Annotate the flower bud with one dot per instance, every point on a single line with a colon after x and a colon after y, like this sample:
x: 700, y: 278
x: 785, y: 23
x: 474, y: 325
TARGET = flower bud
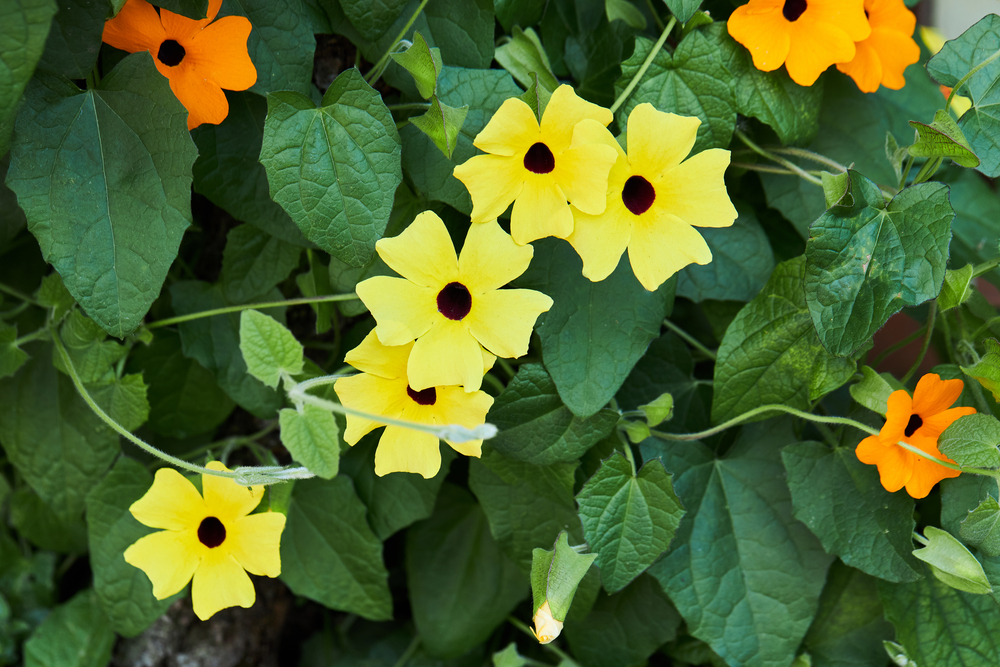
x: 546, y: 627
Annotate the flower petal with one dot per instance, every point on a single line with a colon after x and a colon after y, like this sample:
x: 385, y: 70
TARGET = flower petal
x: 136, y: 28
x: 662, y: 246
x: 255, y: 543
x: 540, y: 210
x: 455, y: 406
x: 658, y: 141
x: 865, y: 68
x: 220, y: 582
x: 896, y: 51
x: 447, y: 355
x: 898, y: 413
x: 423, y: 254
x: 493, y: 181
x: 564, y: 110
x: 814, y: 49
x: 405, y: 450
x: 490, y: 259
x: 695, y: 191
x: 385, y: 361
x: 371, y: 394
x: 927, y: 473
x: 601, y: 240
x: 169, y: 558
x: 204, y: 100
x: 934, y: 425
x: 171, y: 502
x: 582, y: 174
x: 934, y: 395
x: 180, y: 28
x: 764, y: 33
x: 894, y: 462
x: 512, y: 130
x: 404, y: 311
x: 219, y: 53
x: 502, y: 320
x: 225, y: 498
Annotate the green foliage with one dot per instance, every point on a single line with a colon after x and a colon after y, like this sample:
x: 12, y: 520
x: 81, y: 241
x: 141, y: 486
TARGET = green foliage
x: 269, y: 349
x: 556, y: 574
x: 74, y: 38
x: 981, y: 529
x: 254, y: 262
x: 952, y: 563
x: 972, y: 441
x: 311, y: 438
x: 25, y: 27
x: 956, y: 289
x: 76, y: 634
x: 942, y: 139
x: 12, y: 356
x: 683, y: 9
x: 873, y: 390
x: 523, y: 56
x: 372, y: 19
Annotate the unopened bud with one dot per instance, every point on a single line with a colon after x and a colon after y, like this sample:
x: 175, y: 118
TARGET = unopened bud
x: 546, y: 627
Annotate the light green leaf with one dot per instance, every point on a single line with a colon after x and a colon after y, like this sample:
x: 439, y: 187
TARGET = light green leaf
x: 75, y: 634
x: 625, y: 11
x: 269, y: 349
x: 75, y: 38
x: 771, y: 354
x: 12, y: 357
x: 442, y: 124
x: 987, y: 369
x: 104, y: 177
x: 461, y: 584
x: 636, y: 431
x: 866, y: 261
x: 524, y: 55
x: 957, y: 288
x: 372, y: 17
x: 628, y: 519
x: 334, y: 168
x: 942, y: 138
x: 981, y: 529
x: 36, y: 522
x: 423, y: 63
x: 254, y: 262
x: 740, y: 508
x: 661, y: 409
x: 328, y: 552
x: 972, y: 441
x: 536, y: 97
x: 895, y: 155
x: 952, y: 563
x: 311, y: 438
x: 843, y: 503
x: 509, y: 657
x: 874, y: 389
x: 836, y: 187
x: 556, y: 574
x: 24, y: 27
x: 124, y: 399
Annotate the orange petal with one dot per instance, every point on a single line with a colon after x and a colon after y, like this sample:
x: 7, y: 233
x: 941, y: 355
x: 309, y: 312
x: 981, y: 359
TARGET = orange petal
x: 815, y: 48
x: 764, y: 32
x: 927, y: 473
x: 204, y: 100
x: 897, y: 417
x: 934, y: 425
x: 897, y: 51
x: 934, y: 395
x: 219, y: 53
x: 136, y: 28
x: 865, y: 68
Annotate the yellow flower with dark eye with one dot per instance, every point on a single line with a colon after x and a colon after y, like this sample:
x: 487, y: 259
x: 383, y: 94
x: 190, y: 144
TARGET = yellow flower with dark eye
x: 452, y: 306
x: 888, y: 51
x: 655, y: 199
x: 213, y: 539
x: 382, y: 389
x: 538, y: 167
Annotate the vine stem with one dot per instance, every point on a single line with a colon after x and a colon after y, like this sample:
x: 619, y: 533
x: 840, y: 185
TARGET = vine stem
x: 965, y: 79
x: 6, y: 289
x: 250, y: 306
x: 799, y: 171
x: 931, y: 317
x: 691, y: 340
x: 378, y: 67
x: 645, y: 65
x: 552, y: 648
x: 810, y: 155
x: 408, y: 653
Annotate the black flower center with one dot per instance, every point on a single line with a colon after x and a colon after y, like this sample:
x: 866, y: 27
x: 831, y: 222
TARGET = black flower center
x: 454, y: 301
x: 638, y: 194
x: 211, y: 532
x: 423, y: 397
x: 912, y: 425
x: 793, y: 9
x: 539, y: 159
x: 171, y: 53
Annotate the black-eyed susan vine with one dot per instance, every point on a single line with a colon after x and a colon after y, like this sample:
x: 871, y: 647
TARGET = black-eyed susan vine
x: 572, y: 333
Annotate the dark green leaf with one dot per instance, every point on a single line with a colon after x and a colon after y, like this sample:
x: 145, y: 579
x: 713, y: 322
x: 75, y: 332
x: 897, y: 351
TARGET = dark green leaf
x: 75, y: 634
x: 461, y: 584
x: 193, y: 9
x: 335, y: 168
x: 981, y: 529
x: 254, y: 262
x: 110, y: 225
x: 328, y: 552
x: 623, y: 10
x: 518, y: 12
x: 24, y: 27
x: 739, y: 549
x: 594, y: 48
x: 372, y: 17
x: 93, y: 356
x: 942, y: 138
x: 311, y: 438
x: 683, y: 9
x: 536, y: 97
x: 316, y: 282
x: 75, y: 38
x: 12, y: 357
x: 52, y: 293
x: 974, y: 233
x: 972, y: 441
x: 36, y: 522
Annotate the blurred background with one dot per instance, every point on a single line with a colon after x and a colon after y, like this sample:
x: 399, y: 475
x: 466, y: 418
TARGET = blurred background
x: 953, y: 17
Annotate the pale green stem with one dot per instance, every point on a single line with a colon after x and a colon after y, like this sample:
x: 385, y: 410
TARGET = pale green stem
x: 964, y: 79
x: 250, y: 306
x: 645, y: 65
x: 920, y: 538
x: 694, y: 342
x: 799, y: 171
x: 376, y: 71
x: 629, y: 456
x: 906, y: 172
x: 983, y: 329
x: 765, y: 168
x: 17, y: 294
x: 809, y: 155
x: 34, y: 335
x: 985, y: 267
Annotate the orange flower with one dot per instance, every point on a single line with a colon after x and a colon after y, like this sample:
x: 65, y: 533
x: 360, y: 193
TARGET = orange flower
x: 919, y: 422
x: 806, y: 35
x: 882, y: 58
x: 200, y: 58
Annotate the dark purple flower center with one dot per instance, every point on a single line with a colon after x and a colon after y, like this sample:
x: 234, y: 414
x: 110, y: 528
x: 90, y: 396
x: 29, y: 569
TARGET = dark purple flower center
x: 211, y: 532
x: 424, y: 397
x: 539, y: 159
x: 171, y: 53
x: 454, y: 301
x: 638, y: 195
x: 912, y: 425
x: 793, y: 9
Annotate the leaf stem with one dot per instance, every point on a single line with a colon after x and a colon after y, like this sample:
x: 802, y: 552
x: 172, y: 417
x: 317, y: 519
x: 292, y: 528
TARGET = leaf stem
x: 810, y: 155
x: 415, y: 106
x: 906, y: 172
x: 964, y: 79
x: 983, y: 329
x: 799, y: 171
x: 6, y: 289
x: 691, y: 340
x: 917, y: 537
x: 377, y: 69
x: 645, y: 65
x: 248, y: 306
x: 408, y: 653
x: 34, y: 335
x: 985, y: 267
x: 931, y: 318
x: 656, y: 17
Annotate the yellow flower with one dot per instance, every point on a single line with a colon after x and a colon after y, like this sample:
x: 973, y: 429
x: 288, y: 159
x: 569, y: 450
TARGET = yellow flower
x: 537, y: 167
x: 546, y: 627
x: 452, y: 306
x: 806, y: 35
x: 382, y: 389
x: 653, y: 200
x: 214, y: 539
x: 882, y: 58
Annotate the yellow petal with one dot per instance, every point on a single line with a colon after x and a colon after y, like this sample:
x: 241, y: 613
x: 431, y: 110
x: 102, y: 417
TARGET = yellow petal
x: 403, y: 310
x: 225, y: 499
x: 405, y: 450
x: 447, y: 355
x: 172, y: 502
x: 664, y: 247
x: 220, y: 582
x: 373, y: 395
x: 547, y: 628
x: 512, y: 130
x: 696, y: 191
x: 455, y: 406
x: 658, y: 141
x: 540, y: 210
x: 564, y: 110
x: 600, y: 240
x: 169, y: 558
x: 582, y: 175
x: 423, y: 254
x: 255, y: 543
x: 502, y: 320
x: 490, y: 259
x: 385, y: 361
x: 493, y: 182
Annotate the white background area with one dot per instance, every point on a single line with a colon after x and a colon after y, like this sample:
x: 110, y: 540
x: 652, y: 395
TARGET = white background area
x: 953, y: 17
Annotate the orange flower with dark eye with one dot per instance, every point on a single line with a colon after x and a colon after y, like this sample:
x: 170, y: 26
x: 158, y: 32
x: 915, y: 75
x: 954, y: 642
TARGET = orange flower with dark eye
x: 882, y: 58
x: 917, y: 421
x: 199, y: 58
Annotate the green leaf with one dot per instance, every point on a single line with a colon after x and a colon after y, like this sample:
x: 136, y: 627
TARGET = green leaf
x: 12, y: 357
x: 36, y: 522
x: 626, y: 628
x: 987, y: 369
x: 442, y: 124
x: 587, y: 359
x: 526, y: 505
x: 75, y: 38
x: 523, y: 56
x: 372, y: 17
x: 311, y: 438
x: 981, y: 123
x: 942, y: 138
x: 972, y: 441
x: 941, y: 626
x: 536, y: 97
x: 981, y: 529
x: 124, y: 591
x: 334, y: 168
x: 316, y: 282
x: 269, y: 349
x: 254, y: 262
x: 739, y: 548
x: 509, y: 657
x: 843, y: 503
x: 110, y: 225
x: 52, y: 293
x: 518, y: 12
x: 895, y: 155
x: 461, y: 584
x: 661, y: 409
x: 75, y: 634
x: 594, y: 47
x: 771, y: 354
x: 636, y: 431
x: 193, y: 9
x: 865, y: 261
x: 124, y: 399
x: 536, y: 427
x: 423, y: 63
x: 625, y: 11
x: 628, y: 519
x: 741, y: 262
x: 874, y: 389
x: 23, y: 30
x: 184, y: 398
x: 952, y: 563
x: 52, y: 437
x: 836, y: 187
x: 957, y: 288
x: 693, y: 81
x: 683, y: 9
x: 328, y: 552
x: 92, y: 355
x: 556, y: 575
